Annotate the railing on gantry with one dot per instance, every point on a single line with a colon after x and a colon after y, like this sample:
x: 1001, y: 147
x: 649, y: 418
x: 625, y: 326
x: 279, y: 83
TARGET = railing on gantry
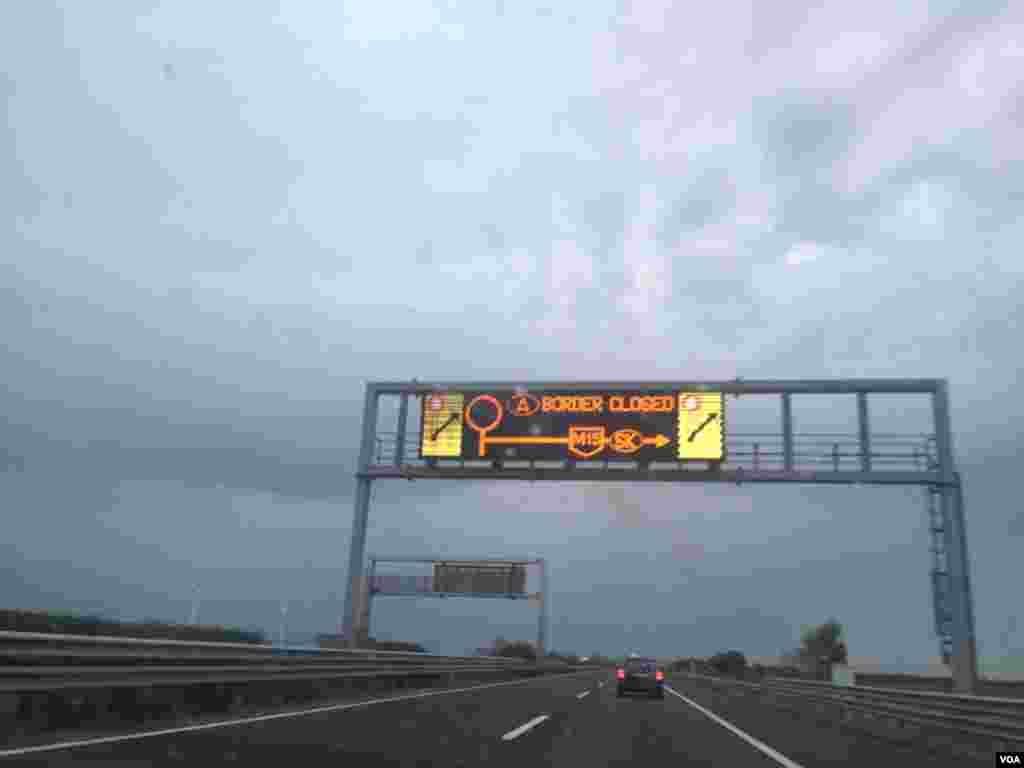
x: 754, y: 451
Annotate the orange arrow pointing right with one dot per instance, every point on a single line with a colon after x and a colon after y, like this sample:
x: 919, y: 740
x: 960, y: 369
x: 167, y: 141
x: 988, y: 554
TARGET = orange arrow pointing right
x: 529, y: 440
x: 658, y: 441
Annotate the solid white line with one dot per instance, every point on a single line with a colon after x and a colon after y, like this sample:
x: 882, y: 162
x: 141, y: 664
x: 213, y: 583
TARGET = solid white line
x: 582, y: 695
x: 524, y: 728
x: 780, y: 758
x: 250, y: 720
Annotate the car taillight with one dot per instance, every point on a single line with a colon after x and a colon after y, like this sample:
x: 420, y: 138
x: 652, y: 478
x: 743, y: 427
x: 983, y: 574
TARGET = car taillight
x: 659, y: 675
x: 621, y: 674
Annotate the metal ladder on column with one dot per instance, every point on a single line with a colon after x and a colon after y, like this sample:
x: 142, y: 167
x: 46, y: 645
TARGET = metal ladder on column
x: 940, y: 568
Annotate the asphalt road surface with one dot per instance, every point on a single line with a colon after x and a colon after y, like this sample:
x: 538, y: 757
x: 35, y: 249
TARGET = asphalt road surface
x: 567, y: 720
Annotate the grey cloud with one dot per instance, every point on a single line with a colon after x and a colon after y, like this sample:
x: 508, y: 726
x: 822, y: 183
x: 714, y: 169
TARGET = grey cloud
x: 694, y: 211
x: 138, y: 189
x: 801, y: 139
x: 204, y: 272
x: 425, y: 253
x: 495, y: 236
x: 114, y: 444
x: 800, y: 133
x: 603, y: 221
x: 710, y: 194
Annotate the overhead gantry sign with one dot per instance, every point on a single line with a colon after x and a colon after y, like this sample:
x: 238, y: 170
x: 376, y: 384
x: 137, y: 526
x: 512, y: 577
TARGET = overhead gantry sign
x: 669, y: 432
x: 551, y: 425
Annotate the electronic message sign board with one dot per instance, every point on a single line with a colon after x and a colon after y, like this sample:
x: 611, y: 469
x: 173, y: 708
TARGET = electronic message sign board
x: 553, y: 425
x: 479, y: 578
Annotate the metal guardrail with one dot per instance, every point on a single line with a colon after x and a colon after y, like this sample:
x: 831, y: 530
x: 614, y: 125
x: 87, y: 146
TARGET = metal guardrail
x: 985, y: 717
x: 37, y: 640
x: 54, y: 662
x: 987, y: 686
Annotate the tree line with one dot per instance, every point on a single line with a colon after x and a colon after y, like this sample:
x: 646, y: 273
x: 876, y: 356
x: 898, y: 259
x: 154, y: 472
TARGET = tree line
x: 820, y: 648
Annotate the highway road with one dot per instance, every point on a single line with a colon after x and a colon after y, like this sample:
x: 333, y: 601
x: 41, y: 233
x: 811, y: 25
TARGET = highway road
x: 566, y: 720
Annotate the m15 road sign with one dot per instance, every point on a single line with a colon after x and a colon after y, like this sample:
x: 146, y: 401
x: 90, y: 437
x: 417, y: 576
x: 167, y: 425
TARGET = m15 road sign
x: 554, y: 425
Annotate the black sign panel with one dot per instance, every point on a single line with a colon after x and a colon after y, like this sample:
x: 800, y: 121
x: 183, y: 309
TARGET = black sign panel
x: 482, y: 578
x: 556, y: 425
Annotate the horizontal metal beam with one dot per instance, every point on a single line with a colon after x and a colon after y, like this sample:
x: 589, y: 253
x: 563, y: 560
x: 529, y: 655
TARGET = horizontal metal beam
x: 735, y: 386
x: 737, y: 476
x: 453, y: 594
x: 456, y: 560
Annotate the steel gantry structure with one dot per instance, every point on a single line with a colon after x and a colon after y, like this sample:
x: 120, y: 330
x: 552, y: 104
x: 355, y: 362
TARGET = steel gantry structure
x: 369, y: 589
x: 867, y: 458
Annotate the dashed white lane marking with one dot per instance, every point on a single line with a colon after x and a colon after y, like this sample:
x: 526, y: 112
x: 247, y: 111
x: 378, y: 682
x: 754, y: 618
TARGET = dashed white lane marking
x: 517, y: 732
x: 778, y: 757
x: 582, y: 695
x: 253, y: 719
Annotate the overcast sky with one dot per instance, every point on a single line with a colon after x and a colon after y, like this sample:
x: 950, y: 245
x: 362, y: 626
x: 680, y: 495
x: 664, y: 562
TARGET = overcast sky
x: 218, y: 221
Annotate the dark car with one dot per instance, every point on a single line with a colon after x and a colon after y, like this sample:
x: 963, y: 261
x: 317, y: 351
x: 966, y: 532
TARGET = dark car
x: 640, y: 675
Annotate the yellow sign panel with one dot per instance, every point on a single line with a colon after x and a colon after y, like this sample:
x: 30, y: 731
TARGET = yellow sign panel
x: 442, y: 425
x: 701, y: 432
